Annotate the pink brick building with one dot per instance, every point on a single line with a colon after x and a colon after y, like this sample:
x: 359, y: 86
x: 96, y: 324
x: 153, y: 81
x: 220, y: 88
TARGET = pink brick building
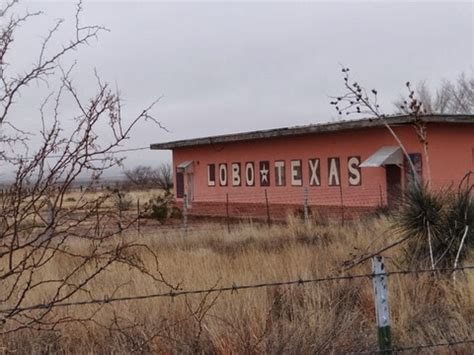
x: 356, y: 165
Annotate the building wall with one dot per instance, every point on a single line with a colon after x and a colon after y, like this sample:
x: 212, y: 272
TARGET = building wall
x: 450, y: 153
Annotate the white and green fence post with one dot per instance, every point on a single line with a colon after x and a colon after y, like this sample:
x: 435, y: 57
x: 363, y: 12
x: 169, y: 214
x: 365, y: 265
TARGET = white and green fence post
x: 382, y: 311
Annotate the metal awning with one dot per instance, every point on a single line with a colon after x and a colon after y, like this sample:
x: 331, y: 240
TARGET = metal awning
x: 384, y: 156
x: 185, y: 166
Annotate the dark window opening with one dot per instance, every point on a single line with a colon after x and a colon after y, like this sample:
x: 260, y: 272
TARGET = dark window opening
x: 417, y: 161
x: 179, y: 184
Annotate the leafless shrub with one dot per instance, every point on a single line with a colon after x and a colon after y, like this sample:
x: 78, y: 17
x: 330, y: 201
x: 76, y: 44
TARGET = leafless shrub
x: 149, y: 177
x: 452, y: 97
x: 358, y: 100
x: 36, y: 228
x: 164, y: 177
x: 140, y: 176
x: 122, y: 200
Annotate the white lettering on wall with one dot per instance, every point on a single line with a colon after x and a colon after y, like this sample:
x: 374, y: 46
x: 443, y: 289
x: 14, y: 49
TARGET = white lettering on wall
x: 354, y: 171
x: 253, y: 173
x: 249, y: 174
x: 235, y: 174
x: 280, y: 173
x: 264, y: 173
x: 296, y: 173
x: 314, y: 172
x: 223, y: 174
x: 211, y: 175
x: 334, y: 178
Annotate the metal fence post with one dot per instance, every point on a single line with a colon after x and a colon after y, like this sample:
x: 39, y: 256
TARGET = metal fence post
x: 268, y: 209
x: 305, y: 205
x: 342, y: 205
x: 382, y: 311
x: 185, y: 213
x: 227, y: 212
x: 381, y: 196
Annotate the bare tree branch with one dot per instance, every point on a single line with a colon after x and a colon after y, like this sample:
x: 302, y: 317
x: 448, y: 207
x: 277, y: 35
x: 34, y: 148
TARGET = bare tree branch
x: 37, y: 226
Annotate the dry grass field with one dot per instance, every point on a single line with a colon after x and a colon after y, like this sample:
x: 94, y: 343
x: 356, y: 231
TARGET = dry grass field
x: 75, y: 196
x: 331, y: 317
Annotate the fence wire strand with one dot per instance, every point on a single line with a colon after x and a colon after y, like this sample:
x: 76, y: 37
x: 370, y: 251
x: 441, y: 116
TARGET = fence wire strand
x: 433, y: 345
x: 233, y: 289
x: 400, y: 349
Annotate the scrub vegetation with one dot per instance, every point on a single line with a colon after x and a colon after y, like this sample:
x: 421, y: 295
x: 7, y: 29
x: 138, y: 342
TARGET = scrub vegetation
x: 326, y: 317
x: 438, y: 225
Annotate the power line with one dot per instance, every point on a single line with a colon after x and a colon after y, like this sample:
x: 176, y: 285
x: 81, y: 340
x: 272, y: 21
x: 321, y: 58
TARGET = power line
x: 130, y: 150
x: 111, y: 152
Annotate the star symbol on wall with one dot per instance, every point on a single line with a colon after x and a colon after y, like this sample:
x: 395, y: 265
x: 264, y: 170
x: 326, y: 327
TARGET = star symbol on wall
x: 264, y: 173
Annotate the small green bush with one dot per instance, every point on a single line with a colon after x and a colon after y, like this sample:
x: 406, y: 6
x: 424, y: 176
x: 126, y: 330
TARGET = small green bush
x: 176, y: 213
x: 160, y: 208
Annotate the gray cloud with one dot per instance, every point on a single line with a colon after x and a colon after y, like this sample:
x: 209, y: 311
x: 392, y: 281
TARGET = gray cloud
x: 227, y: 67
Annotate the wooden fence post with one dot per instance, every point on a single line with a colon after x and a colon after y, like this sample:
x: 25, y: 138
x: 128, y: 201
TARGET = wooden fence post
x: 97, y: 221
x: 382, y: 311
x: 120, y: 207
x: 138, y: 216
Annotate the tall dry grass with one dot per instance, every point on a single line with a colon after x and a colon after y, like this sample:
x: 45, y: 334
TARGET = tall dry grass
x: 333, y: 317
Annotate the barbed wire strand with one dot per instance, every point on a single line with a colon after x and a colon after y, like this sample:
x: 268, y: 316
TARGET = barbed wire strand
x: 397, y: 349
x: 434, y: 345
x: 233, y: 288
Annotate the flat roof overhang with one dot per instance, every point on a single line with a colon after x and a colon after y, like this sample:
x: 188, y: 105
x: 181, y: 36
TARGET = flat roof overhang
x: 311, y: 129
x: 384, y: 156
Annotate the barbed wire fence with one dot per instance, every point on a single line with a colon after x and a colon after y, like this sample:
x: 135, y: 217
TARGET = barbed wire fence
x: 274, y: 206
x: 318, y: 204
x: 379, y: 276
x: 264, y: 206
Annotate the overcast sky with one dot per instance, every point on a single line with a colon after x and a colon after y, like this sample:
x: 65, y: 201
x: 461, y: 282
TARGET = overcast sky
x: 230, y: 67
